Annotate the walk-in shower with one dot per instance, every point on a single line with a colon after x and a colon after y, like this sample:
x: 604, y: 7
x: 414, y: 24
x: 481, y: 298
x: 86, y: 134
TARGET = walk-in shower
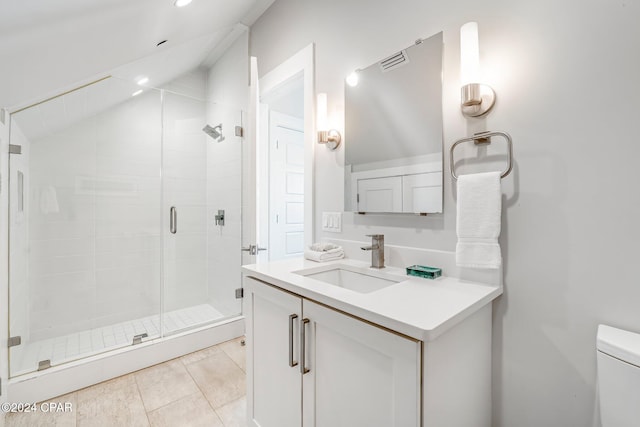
x: 94, y: 264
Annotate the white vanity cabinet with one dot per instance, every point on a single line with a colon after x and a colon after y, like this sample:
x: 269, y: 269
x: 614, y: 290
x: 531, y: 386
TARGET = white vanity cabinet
x: 274, y: 395
x: 310, y: 365
x: 415, y: 353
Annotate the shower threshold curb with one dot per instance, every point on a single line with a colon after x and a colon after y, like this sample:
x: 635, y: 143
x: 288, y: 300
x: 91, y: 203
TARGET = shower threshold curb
x: 63, y: 379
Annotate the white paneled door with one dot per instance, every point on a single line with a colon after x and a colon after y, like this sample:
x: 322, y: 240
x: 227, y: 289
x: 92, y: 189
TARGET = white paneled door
x: 286, y: 186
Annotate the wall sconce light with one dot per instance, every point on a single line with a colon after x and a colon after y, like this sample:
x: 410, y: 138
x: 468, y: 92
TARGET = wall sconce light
x: 330, y: 137
x: 476, y: 98
x: 353, y: 78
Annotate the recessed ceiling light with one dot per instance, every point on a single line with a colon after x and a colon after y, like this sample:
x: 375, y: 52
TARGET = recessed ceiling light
x: 181, y: 3
x: 143, y: 80
x: 136, y: 93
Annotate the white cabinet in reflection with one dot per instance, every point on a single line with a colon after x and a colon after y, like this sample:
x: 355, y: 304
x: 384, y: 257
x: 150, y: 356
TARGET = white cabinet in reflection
x: 408, y: 189
x: 380, y: 194
x: 422, y: 193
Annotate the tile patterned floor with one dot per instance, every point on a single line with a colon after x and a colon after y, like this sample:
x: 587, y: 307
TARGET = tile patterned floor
x: 88, y: 343
x: 205, y: 388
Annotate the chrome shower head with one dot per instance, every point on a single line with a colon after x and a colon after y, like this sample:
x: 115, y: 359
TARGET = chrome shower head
x: 214, y: 132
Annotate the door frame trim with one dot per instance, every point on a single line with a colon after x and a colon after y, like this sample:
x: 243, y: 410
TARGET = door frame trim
x: 303, y: 61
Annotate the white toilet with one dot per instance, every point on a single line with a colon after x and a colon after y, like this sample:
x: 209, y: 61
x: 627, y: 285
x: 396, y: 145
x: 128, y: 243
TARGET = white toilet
x: 618, y: 377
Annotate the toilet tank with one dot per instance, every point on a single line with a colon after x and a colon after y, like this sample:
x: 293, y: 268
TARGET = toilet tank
x: 618, y: 358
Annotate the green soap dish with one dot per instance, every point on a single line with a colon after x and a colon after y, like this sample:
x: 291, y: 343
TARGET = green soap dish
x: 424, y: 271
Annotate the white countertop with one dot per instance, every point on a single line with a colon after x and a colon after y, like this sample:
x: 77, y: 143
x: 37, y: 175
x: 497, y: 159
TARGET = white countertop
x: 419, y: 308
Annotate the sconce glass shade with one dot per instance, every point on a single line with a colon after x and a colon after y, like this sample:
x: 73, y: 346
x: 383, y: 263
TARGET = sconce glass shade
x: 469, y: 54
x: 352, y: 79
x: 321, y: 111
x: 330, y: 137
x: 476, y: 99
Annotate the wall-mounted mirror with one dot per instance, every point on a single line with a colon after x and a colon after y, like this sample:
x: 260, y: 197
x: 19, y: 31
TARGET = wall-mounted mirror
x: 393, y: 133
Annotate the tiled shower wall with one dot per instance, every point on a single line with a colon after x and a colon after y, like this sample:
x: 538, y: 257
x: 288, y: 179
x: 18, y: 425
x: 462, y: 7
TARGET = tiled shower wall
x: 224, y: 193
x: 95, y: 224
x: 226, y: 100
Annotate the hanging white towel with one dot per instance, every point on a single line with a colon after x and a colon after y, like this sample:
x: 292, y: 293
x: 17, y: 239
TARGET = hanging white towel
x: 478, y: 220
x: 49, y: 200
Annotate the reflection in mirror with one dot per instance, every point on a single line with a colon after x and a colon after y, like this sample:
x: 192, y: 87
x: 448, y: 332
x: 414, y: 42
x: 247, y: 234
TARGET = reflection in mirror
x: 393, y: 137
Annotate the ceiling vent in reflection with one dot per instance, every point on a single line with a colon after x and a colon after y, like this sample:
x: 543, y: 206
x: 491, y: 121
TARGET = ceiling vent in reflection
x: 394, y: 61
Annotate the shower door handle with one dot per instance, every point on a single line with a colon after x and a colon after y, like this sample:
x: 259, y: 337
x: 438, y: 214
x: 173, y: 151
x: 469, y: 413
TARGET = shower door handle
x: 173, y: 220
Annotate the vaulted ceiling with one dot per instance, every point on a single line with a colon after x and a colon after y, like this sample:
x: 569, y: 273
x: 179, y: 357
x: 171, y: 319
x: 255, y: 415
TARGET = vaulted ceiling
x: 48, y: 46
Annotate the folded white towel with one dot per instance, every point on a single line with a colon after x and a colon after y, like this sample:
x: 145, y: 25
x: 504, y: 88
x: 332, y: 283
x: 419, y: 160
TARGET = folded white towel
x: 478, y: 220
x: 324, y: 247
x: 328, y: 255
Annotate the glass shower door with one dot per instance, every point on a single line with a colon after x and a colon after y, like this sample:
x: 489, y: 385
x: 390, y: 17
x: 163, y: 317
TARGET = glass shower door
x: 125, y: 221
x: 202, y: 212
x: 85, y: 233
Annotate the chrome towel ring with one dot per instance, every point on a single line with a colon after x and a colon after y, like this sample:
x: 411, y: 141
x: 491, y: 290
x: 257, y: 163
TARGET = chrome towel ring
x: 480, y: 139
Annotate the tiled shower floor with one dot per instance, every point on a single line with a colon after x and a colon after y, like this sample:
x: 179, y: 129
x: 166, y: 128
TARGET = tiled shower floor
x: 87, y: 343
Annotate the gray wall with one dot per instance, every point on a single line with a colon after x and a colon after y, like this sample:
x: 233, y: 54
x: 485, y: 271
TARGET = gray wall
x: 565, y: 74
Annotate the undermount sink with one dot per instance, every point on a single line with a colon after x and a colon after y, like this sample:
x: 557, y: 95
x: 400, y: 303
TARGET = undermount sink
x: 358, y: 279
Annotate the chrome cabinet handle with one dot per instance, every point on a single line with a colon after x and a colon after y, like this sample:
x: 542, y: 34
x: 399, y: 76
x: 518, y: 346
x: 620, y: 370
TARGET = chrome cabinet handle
x: 173, y: 220
x: 303, y: 349
x: 292, y: 317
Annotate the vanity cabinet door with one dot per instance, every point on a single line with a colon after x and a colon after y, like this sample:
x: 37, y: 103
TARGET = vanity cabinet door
x: 359, y: 375
x: 274, y: 388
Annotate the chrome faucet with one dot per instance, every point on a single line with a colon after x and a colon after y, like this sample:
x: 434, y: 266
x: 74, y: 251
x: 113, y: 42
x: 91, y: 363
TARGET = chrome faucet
x: 377, y: 250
